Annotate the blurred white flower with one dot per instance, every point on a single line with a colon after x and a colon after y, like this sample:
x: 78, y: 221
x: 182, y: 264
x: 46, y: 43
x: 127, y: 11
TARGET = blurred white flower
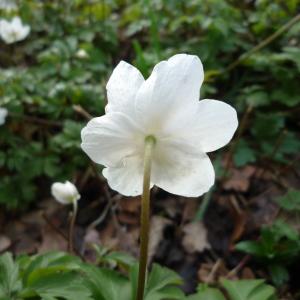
x: 166, y: 106
x: 65, y: 193
x: 3, y: 114
x: 13, y: 31
x: 8, y: 5
x: 81, y: 53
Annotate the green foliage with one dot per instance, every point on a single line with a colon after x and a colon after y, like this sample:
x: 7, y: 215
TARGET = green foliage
x: 278, y: 246
x: 236, y: 290
x: 290, y: 201
x: 45, y: 76
x: 56, y: 275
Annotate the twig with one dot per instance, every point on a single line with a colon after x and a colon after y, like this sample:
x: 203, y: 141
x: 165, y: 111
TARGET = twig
x: 101, y: 218
x: 79, y: 109
x: 263, y: 43
x: 213, y: 271
x: 37, y: 120
x: 241, y: 264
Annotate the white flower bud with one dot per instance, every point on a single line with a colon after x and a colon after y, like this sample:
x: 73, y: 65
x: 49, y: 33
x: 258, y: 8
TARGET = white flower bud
x: 81, y: 53
x: 65, y: 193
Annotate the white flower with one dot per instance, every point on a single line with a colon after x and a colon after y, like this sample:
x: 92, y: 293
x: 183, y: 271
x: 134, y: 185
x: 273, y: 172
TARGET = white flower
x: 13, y: 31
x: 165, y: 106
x: 8, y: 5
x: 65, y: 193
x: 81, y: 53
x: 3, y: 115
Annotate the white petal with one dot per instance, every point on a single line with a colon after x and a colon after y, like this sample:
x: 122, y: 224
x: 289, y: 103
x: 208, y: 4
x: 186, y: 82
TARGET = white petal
x: 172, y: 85
x: 110, y: 138
x: 128, y: 178
x: 3, y: 115
x: 213, y: 125
x: 181, y: 170
x: 122, y: 87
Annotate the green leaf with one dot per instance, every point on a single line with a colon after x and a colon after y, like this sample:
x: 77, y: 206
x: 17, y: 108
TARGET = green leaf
x: 279, y: 274
x: 248, y: 290
x: 207, y: 293
x: 250, y: 247
x: 170, y: 292
x: 10, y: 283
x: 120, y: 258
x: 290, y: 201
x: 68, y: 286
x: 243, y: 154
x: 267, y: 126
x: 160, y: 278
x: 106, y: 284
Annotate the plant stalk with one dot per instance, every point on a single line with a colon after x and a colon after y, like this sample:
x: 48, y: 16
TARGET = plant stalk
x: 72, y: 225
x: 145, y: 216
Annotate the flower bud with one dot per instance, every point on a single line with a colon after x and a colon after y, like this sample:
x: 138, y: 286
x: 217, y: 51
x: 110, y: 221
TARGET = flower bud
x: 65, y: 193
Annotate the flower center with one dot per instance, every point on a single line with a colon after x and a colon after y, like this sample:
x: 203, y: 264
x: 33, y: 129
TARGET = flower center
x: 150, y: 139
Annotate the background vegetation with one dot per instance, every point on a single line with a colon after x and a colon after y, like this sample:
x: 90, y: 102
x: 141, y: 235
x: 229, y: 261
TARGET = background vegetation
x: 54, y: 80
x: 44, y: 77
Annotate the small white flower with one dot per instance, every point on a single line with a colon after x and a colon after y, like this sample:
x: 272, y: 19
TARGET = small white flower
x: 3, y: 115
x: 8, y: 5
x: 13, y: 31
x: 167, y: 107
x: 65, y: 193
x: 81, y: 53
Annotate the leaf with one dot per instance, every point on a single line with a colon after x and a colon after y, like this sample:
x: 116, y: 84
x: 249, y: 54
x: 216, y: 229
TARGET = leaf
x: 207, y: 293
x: 49, y: 263
x: 170, y: 292
x: 160, y: 281
x: 248, y: 290
x: 290, y: 201
x: 106, y: 284
x: 250, y: 247
x: 267, y: 126
x: 279, y: 274
x: 243, y: 154
x: 10, y: 283
x: 68, y: 286
x: 120, y: 258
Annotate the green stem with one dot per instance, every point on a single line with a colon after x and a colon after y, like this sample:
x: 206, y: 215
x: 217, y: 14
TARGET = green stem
x: 145, y: 216
x: 71, y: 229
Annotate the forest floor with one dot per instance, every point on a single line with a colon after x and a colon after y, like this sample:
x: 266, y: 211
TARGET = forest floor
x: 199, y: 245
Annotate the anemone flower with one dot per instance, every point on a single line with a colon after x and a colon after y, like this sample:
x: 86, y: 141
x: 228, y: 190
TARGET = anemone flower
x: 14, y: 30
x: 165, y: 107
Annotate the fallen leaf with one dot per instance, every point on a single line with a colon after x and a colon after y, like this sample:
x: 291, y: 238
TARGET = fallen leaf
x: 195, y: 237
x: 157, y: 227
x: 5, y: 243
x: 240, y: 179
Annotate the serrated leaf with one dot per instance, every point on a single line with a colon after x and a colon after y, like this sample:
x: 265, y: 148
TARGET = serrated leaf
x: 207, y: 293
x: 248, y: 290
x: 159, y: 279
x: 68, y: 286
x: 10, y: 283
x: 106, y: 284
